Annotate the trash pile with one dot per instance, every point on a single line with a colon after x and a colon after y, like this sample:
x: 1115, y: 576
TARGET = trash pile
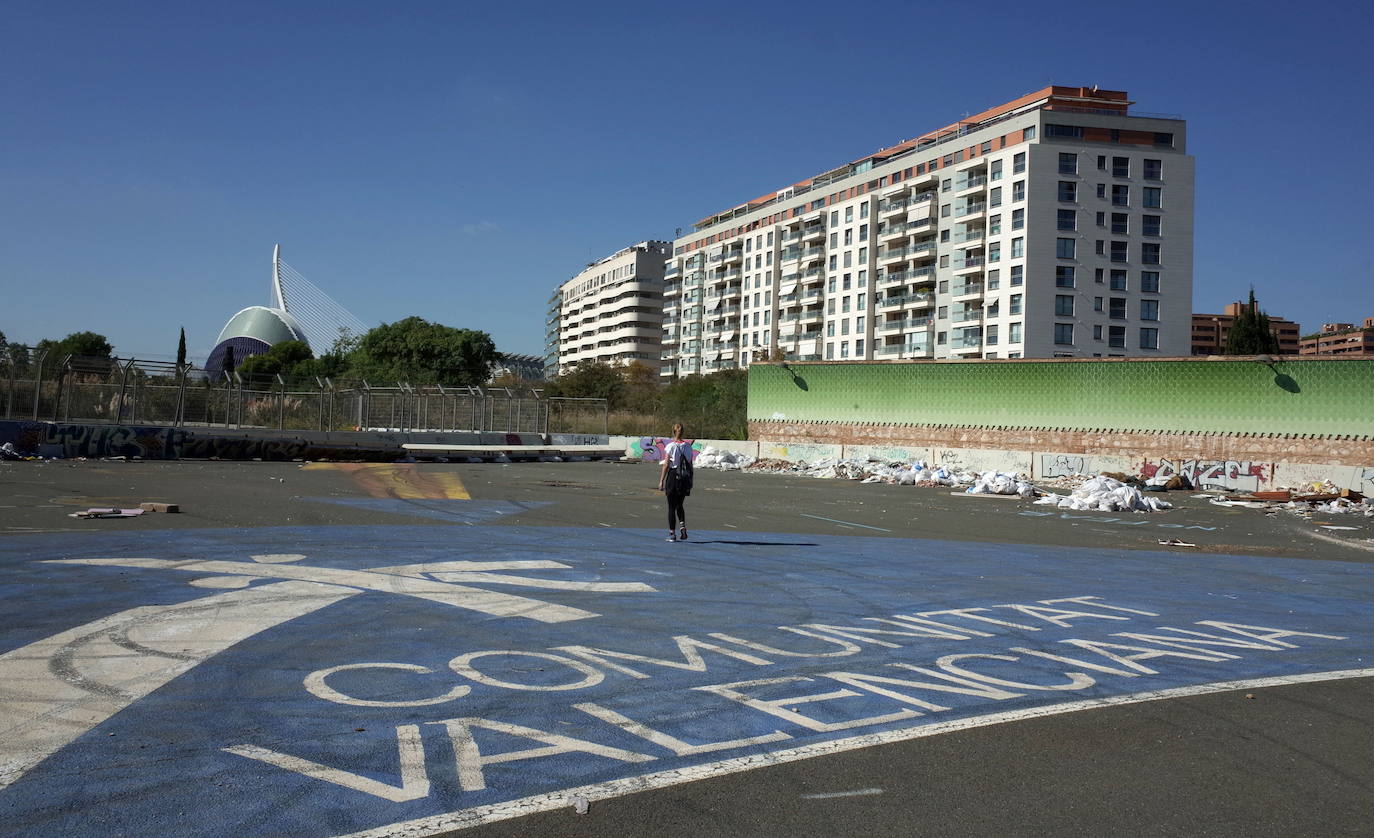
x: 715, y: 458
x: 997, y: 483
x: 1310, y: 499
x: 1106, y: 494
x: 9, y: 452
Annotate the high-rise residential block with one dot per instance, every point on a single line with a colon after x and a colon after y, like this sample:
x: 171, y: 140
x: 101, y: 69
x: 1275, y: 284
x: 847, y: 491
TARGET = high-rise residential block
x: 1056, y: 225
x: 612, y: 311
x: 1345, y: 339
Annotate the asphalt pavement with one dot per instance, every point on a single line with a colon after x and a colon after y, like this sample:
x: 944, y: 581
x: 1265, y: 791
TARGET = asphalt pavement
x: 486, y: 649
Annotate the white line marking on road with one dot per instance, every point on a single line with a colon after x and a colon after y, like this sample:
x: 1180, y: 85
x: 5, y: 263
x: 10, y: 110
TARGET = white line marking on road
x: 844, y: 523
x: 463, y: 818
x: 828, y: 795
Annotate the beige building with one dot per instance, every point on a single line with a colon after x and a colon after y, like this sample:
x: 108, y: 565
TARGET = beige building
x: 611, y: 312
x: 1056, y: 225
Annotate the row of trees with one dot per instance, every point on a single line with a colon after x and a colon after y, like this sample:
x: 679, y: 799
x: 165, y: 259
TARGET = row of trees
x: 710, y: 406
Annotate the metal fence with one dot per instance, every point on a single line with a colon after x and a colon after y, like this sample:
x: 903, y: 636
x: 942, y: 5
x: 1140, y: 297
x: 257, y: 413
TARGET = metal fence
x: 132, y: 391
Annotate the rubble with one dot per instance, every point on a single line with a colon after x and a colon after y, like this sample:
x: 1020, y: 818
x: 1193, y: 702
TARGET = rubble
x: 1106, y: 494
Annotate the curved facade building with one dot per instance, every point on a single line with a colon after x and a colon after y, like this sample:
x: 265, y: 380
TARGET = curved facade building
x: 252, y: 332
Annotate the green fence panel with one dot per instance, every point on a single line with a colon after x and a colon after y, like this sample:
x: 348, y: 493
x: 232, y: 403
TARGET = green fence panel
x: 1235, y: 396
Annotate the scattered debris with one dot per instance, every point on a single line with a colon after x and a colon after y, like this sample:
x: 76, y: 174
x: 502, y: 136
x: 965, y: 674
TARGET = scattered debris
x: 1106, y: 494
x: 1175, y: 542
x: 154, y: 506
x: 107, y: 512
x: 579, y: 804
x: 9, y: 452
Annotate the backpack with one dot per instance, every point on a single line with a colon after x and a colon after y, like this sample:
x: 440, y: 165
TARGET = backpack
x: 682, y: 472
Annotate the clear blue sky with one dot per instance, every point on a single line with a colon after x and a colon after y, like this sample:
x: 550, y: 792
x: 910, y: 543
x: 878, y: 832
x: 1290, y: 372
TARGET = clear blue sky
x: 459, y: 160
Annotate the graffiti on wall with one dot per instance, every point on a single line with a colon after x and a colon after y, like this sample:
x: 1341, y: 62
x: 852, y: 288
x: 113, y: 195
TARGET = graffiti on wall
x: 1224, y: 475
x: 1063, y: 465
x: 650, y: 448
x: 157, y: 443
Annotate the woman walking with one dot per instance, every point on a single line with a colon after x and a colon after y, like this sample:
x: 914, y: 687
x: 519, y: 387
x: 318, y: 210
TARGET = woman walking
x: 675, y: 480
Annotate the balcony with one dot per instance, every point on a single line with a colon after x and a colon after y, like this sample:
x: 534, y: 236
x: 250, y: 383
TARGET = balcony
x: 968, y: 263
x: 969, y: 316
x: 967, y: 289
x: 812, y: 314
x: 812, y: 334
x: 903, y: 324
x: 672, y: 270
x: 814, y: 231
x: 972, y: 235
x: 811, y: 294
x: 905, y: 350
x: 970, y: 208
x: 811, y: 254
x: 672, y: 289
x: 734, y: 255
x: 790, y: 253
x: 975, y: 182
x: 902, y: 300
x: 887, y: 208
x: 791, y: 236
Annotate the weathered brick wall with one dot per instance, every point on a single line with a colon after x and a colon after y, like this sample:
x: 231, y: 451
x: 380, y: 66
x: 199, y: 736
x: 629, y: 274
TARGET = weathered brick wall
x: 1332, y: 450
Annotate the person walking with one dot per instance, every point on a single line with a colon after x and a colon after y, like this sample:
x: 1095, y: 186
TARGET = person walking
x: 675, y: 481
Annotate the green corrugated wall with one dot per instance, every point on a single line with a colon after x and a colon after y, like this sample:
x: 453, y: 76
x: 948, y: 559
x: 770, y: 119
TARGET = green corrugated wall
x: 1333, y: 397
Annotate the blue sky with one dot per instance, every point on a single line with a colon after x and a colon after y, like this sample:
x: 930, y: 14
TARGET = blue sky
x: 460, y: 160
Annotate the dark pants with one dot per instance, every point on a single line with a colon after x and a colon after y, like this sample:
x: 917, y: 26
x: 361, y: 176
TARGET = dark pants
x: 675, y: 511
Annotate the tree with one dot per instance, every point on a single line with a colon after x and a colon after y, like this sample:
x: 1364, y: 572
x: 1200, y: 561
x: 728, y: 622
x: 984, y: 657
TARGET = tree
x: 290, y: 358
x: 417, y: 351
x: 1250, y: 333
x: 589, y: 380
x: 80, y: 344
x: 181, y: 348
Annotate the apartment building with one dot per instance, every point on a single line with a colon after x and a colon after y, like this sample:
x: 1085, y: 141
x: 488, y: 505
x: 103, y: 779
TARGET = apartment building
x: 1345, y: 339
x: 1210, y: 331
x: 612, y: 311
x: 1056, y: 225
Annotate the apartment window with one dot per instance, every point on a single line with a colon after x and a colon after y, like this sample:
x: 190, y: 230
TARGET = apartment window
x: 994, y: 224
x: 944, y: 235
x: 995, y: 170
x: 942, y: 313
x: 1102, y: 219
x: 1063, y: 334
x: 844, y: 308
x: 1018, y: 219
x: 995, y: 197
x: 1149, y: 225
x: 770, y: 238
x: 1153, y: 170
x: 1068, y: 163
x: 1097, y: 275
x: 1121, y: 195
x: 1097, y: 303
x: 859, y: 303
x: 834, y: 218
x: 1152, y: 197
x: 1116, y: 308
x: 1018, y: 247
x: 1097, y: 335
x: 863, y: 254
x: 1149, y: 282
x: 863, y: 232
x: 946, y: 185
x: 1149, y: 309
x: 944, y: 260
x: 994, y: 279
x: 940, y: 338
x: 844, y: 349
x: 830, y: 306
x: 1014, y: 334
x: 830, y: 352
x: 1017, y: 276
x: 830, y: 286
x: 1064, y: 276
x: 849, y: 258
x: 1102, y: 191
x: 944, y: 210
x: 1028, y: 133
x: 834, y: 239
x: 1121, y: 167
x: 1149, y: 338
x: 1102, y: 162
x: 830, y: 329
x: 858, y: 348
x: 995, y: 252
x: 1018, y: 190
x: 848, y: 236
x: 863, y: 275
x: 1121, y: 223
x: 1065, y: 248
x: 990, y: 335
x: 767, y: 316
x: 1116, y: 336
x: 848, y: 214
x: 1118, y: 280
x: 845, y: 286
x: 844, y: 327
x: 1100, y: 247
x: 1063, y: 305
x: 1118, y: 251
x: 1014, y: 304
x: 1018, y: 163
x: 1149, y: 253
x: 1068, y: 190
x: 1067, y: 219
x: 985, y: 148
x: 748, y: 245
x: 834, y: 262
x: 944, y: 286
x: 1164, y: 138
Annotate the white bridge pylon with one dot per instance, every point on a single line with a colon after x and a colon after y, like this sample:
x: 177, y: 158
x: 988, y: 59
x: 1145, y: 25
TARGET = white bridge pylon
x: 321, y: 318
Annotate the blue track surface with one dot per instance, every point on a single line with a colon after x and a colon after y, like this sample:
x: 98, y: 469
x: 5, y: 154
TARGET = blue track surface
x: 160, y: 765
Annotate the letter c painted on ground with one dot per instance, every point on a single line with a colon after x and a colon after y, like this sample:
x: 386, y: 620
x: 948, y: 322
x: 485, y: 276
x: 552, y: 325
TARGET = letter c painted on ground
x: 1077, y: 680
x: 315, y: 684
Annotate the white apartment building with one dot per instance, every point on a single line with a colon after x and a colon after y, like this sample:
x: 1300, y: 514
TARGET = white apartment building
x: 612, y: 311
x: 1056, y: 225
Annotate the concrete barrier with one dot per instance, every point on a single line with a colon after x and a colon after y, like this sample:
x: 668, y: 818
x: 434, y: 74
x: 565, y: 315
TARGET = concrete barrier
x: 887, y: 453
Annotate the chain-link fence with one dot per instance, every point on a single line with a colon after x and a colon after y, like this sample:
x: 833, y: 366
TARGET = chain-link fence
x: 132, y: 391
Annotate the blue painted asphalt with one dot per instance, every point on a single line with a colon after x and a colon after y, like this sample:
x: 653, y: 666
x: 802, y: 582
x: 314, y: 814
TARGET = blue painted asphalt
x: 160, y: 765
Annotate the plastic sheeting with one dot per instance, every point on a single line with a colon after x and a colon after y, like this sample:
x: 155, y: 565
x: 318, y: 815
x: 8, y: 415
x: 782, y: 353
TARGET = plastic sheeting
x: 1104, y: 494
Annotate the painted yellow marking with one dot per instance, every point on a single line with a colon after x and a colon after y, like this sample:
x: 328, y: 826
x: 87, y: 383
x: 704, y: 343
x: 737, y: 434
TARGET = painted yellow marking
x: 399, y: 480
